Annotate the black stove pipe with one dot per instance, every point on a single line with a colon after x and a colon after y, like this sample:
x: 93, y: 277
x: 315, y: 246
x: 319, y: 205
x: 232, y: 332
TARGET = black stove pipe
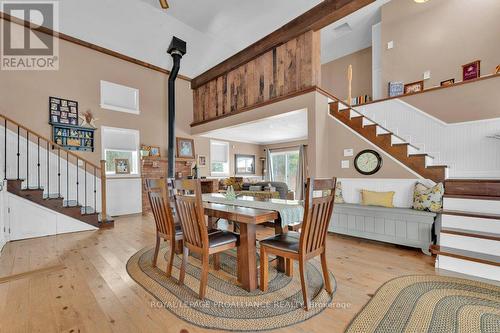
x: 176, y: 49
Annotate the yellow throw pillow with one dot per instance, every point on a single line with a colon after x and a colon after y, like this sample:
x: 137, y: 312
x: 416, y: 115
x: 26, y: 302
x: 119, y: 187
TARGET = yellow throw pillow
x: 383, y: 199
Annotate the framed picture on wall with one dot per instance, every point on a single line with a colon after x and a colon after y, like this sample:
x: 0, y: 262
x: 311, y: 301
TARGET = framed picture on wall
x: 122, y: 166
x: 471, y: 70
x: 448, y: 82
x: 154, y: 151
x: 202, y: 161
x: 185, y: 148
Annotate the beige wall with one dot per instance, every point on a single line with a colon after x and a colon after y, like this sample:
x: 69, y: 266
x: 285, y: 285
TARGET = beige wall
x: 440, y: 36
x: 331, y: 138
x: 334, y: 74
x: 24, y: 98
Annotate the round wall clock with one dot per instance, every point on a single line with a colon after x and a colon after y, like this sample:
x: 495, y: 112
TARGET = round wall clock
x: 368, y: 162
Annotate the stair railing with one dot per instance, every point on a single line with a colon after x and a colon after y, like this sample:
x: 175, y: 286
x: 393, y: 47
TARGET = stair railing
x: 58, y: 163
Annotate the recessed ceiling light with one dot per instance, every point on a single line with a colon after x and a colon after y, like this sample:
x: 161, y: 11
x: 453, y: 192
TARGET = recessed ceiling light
x: 420, y: 1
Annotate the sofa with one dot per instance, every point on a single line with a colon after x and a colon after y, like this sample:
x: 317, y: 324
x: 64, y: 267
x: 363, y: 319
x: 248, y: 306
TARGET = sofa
x: 249, y: 188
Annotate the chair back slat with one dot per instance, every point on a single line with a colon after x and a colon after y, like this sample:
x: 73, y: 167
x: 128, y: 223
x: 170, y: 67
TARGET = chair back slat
x: 319, y: 201
x: 160, y: 205
x: 191, y: 213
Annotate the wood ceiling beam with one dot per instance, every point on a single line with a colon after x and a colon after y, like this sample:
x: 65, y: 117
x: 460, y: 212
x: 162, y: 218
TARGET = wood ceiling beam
x: 315, y: 19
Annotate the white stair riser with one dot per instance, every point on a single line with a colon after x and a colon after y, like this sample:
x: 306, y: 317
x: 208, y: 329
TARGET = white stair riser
x: 472, y: 205
x: 468, y: 267
x: 474, y: 244
x: 470, y: 223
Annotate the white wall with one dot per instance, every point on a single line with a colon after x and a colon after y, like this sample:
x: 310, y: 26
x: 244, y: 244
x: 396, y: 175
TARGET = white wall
x: 464, y: 147
x: 124, y: 196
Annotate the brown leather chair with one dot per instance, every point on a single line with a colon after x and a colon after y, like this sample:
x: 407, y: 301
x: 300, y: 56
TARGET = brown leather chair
x: 196, y: 236
x: 166, y: 228
x: 307, y: 244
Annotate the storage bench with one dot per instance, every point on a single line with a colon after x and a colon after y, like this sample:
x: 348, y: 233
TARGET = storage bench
x: 402, y: 226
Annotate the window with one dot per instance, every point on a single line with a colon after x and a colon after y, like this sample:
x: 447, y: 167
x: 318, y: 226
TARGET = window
x: 116, y: 97
x: 219, y: 158
x: 120, y: 143
x: 284, y: 166
x: 244, y: 164
x: 111, y: 155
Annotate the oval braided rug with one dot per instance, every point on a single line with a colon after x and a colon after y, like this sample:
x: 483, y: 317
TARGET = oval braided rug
x: 426, y: 303
x: 227, y: 306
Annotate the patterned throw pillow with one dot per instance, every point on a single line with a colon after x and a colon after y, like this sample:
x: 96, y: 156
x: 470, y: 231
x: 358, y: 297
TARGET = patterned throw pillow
x: 339, y: 198
x: 428, y: 198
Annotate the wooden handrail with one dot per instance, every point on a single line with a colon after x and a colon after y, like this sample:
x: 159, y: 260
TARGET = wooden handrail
x: 49, y: 141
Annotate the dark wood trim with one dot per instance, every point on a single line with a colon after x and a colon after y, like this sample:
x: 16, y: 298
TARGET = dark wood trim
x: 482, y: 78
x: 471, y: 233
x: 466, y: 255
x: 316, y: 18
x: 472, y: 214
x: 259, y: 105
x: 478, y: 188
x: 91, y: 46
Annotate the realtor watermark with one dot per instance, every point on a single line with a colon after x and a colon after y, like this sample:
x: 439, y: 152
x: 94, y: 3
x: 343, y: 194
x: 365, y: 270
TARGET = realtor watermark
x: 34, y: 47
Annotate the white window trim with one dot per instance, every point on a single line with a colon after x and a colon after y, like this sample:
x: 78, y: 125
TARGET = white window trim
x: 220, y: 174
x: 135, y: 110
x: 136, y: 134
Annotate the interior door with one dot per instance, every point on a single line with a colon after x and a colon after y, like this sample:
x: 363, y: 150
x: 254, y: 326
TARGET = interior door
x: 27, y: 220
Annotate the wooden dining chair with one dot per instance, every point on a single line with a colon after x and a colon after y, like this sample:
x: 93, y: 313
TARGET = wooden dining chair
x: 196, y: 236
x: 309, y: 243
x: 166, y: 228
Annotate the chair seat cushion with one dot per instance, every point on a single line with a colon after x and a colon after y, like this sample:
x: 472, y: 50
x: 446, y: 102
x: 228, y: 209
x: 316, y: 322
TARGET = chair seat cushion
x: 286, y: 242
x: 221, y: 238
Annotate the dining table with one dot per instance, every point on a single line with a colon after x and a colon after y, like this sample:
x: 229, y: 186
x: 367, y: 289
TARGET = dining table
x: 249, y: 212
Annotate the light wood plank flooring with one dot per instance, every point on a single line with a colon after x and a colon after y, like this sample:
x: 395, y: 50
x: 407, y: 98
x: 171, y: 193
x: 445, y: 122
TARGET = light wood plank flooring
x: 78, y: 282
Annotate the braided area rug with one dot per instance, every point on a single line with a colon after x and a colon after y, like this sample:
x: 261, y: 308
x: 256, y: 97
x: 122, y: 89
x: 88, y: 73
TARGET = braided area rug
x: 227, y: 306
x: 434, y: 304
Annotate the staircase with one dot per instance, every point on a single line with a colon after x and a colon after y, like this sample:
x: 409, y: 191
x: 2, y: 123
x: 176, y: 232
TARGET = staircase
x: 39, y: 170
x: 391, y: 143
x: 469, y: 235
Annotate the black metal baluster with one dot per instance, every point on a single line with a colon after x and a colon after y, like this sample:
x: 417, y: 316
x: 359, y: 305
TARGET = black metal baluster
x: 58, y: 172
x: 85, y: 173
x: 5, y: 150
x: 77, y: 196
x: 95, y: 192
x: 27, y: 159
x: 67, y: 179
x: 38, y: 161
x: 48, y: 172
x: 18, y: 154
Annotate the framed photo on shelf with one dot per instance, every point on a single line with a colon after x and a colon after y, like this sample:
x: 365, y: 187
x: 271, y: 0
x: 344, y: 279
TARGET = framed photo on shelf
x: 154, y: 151
x: 448, y: 82
x: 202, y: 161
x: 185, y: 148
x: 414, y: 87
x: 396, y: 89
x: 497, y: 70
x: 122, y: 166
x: 471, y: 70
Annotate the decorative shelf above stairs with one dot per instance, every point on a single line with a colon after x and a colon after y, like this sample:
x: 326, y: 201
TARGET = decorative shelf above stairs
x: 70, y: 208
x: 389, y: 142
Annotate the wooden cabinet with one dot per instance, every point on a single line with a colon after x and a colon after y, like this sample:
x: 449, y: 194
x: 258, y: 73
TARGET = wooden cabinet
x: 209, y: 185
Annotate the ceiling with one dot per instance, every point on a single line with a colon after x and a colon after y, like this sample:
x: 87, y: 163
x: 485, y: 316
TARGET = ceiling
x: 213, y: 29
x: 290, y: 126
x: 351, y: 33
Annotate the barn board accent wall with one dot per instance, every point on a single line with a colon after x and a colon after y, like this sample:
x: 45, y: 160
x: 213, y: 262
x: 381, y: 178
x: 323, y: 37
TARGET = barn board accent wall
x: 284, y: 70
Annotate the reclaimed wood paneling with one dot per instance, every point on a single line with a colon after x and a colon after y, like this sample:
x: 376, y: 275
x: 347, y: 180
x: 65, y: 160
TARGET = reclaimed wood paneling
x: 288, y: 68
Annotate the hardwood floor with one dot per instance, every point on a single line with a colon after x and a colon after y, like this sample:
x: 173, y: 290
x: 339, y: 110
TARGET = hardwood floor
x: 78, y: 282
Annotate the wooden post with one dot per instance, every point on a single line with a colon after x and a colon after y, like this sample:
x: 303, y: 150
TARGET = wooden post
x: 103, y: 191
x: 349, y: 79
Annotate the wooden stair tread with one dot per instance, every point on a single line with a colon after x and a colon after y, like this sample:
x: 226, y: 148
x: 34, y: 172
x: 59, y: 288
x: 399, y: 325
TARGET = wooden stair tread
x: 474, y: 188
x: 466, y: 255
x: 473, y: 197
x: 472, y: 214
x: 471, y: 233
x: 437, y: 166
